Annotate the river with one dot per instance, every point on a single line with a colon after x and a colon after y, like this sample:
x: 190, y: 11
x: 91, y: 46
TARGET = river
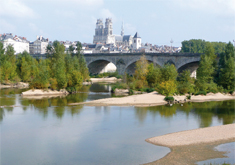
x: 37, y: 130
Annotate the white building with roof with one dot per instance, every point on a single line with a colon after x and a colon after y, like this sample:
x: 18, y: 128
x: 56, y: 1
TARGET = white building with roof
x: 136, y: 41
x: 39, y: 46
x: 20, y: 44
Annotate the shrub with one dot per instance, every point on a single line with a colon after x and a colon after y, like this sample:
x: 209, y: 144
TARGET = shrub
x: 167, y: 88
x: 131, y: 92
x: 167, y: 98
x: 119, y: 86
x: 188, y: 97
x: 148, y: 90
x: 201, y: 93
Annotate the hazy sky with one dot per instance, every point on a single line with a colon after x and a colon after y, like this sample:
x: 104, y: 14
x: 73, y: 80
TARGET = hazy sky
x: 157, y: 21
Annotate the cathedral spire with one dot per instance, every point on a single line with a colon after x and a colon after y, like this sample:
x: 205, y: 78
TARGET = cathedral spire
x: 122, y: 32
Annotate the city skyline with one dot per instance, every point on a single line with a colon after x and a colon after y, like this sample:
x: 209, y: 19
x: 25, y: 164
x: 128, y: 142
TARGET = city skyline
x: 157, y: 22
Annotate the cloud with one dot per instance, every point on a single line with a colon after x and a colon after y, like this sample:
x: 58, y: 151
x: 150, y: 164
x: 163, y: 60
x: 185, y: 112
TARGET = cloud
x: 221, y: 7
x: 105, y: 13
x: 15, y: 8
x: 129, y: 28
x: 6, y: 27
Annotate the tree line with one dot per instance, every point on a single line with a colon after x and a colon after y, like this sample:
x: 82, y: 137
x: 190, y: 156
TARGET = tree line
x: 211, y: 75
x: 199, y: 46
x: 58, y: 71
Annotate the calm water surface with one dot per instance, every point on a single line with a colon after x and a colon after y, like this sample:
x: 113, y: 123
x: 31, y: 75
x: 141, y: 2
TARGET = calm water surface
x: 46, y: 131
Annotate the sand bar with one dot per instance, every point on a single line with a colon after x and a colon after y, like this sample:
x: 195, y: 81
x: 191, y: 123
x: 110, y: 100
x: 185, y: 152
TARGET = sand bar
x: 44, y: 92
x: 104, y: 79
x: 152, y: 99
x: 196, y: 136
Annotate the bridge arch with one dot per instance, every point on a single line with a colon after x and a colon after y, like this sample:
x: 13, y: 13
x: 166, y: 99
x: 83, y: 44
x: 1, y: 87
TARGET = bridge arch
x: 100, y: 65
x: 130, y: 67
x: 192, y: 67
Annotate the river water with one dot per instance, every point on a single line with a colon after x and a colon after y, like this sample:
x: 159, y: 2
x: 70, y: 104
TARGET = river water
x: 37, y: 130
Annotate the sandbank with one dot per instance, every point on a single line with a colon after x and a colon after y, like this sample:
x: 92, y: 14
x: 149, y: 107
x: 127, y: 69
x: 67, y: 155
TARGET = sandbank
x: 189, y: 147
x: 152, y: 99
x: 196, y: 136
x: 36, y: 92
x: 104, y: 79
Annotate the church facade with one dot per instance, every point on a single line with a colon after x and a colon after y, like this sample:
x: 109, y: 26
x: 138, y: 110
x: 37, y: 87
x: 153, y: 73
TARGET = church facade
x: 105, y: 35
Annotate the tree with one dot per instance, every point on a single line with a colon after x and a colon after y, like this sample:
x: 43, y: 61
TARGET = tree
x: 167, y: 88
x: 60, y: 74
x: 25, y: 70
x: 41, y: 80
x: 8, y: 64
x: 168, y: 72
x: 153, y: 75
x: 227, y: 68
x: 141, y: 68
x: 185, y: 82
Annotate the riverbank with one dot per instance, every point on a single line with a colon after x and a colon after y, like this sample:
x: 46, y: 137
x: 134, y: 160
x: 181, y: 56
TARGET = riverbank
x: 17, y: 85
x: 189, y: 147
x: 153, y: 99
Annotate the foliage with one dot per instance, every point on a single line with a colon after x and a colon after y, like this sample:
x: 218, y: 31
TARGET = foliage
x: 226, y: 71
x: 168, y: 72
x: 119, y: 85
x: 141, y: 69
x: 201, y: 93
x: 153, y: 75
x: 185, y: 83
x: 107, y: 74
x: 167, y: 88
x: 199, y: 46
x: 188, y: 97
x: 167, y: 98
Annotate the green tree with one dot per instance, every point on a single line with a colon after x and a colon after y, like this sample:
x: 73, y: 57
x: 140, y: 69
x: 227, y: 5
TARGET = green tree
x: 153, y: 75
x: 41, y: 81
x: 141, y: 68
x: 167, y: 88
x: 60, y: 74
x: 227, y: 68
x: 25, y: 70
x: 8, y: 64
x: 185, y: 82
x: 168, y: 72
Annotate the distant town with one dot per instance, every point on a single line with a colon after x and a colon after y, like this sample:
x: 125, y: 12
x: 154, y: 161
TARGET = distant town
x: 104, y: 41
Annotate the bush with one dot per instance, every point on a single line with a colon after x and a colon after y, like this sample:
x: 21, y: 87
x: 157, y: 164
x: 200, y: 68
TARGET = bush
x: 167, y: 98
x: 131, y: 92
x: 119, y: 86
x: 148, y: 90
x: 188, y: 97
x: 201, y: 93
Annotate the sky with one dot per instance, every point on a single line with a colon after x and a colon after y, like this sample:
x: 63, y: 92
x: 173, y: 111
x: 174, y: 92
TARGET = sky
x: 156, y: 21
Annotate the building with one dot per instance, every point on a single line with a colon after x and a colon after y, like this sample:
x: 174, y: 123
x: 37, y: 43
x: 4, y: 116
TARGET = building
x: 136, y: 41
x: 104, y: 35
x: 39, y: 46
x: 20, y: 44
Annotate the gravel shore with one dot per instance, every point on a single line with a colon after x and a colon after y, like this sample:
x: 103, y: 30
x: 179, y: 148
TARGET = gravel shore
x: 196, y: 136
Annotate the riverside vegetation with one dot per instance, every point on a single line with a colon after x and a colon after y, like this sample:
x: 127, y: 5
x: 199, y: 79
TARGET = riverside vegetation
x: 59, y: 71
x: 212, y: 75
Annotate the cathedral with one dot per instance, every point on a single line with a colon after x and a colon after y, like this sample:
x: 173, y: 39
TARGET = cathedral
x: 105, y: 35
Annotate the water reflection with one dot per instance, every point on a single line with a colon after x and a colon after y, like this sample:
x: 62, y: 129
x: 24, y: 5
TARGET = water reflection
x: 222, y: 110
x: 204, y: 112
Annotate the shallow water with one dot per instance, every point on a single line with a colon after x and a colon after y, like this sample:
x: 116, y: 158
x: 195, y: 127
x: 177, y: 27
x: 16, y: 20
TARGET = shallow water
x: 47, y: 131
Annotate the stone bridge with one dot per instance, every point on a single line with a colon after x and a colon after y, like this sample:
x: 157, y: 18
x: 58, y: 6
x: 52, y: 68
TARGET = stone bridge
x: 126, y: 62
